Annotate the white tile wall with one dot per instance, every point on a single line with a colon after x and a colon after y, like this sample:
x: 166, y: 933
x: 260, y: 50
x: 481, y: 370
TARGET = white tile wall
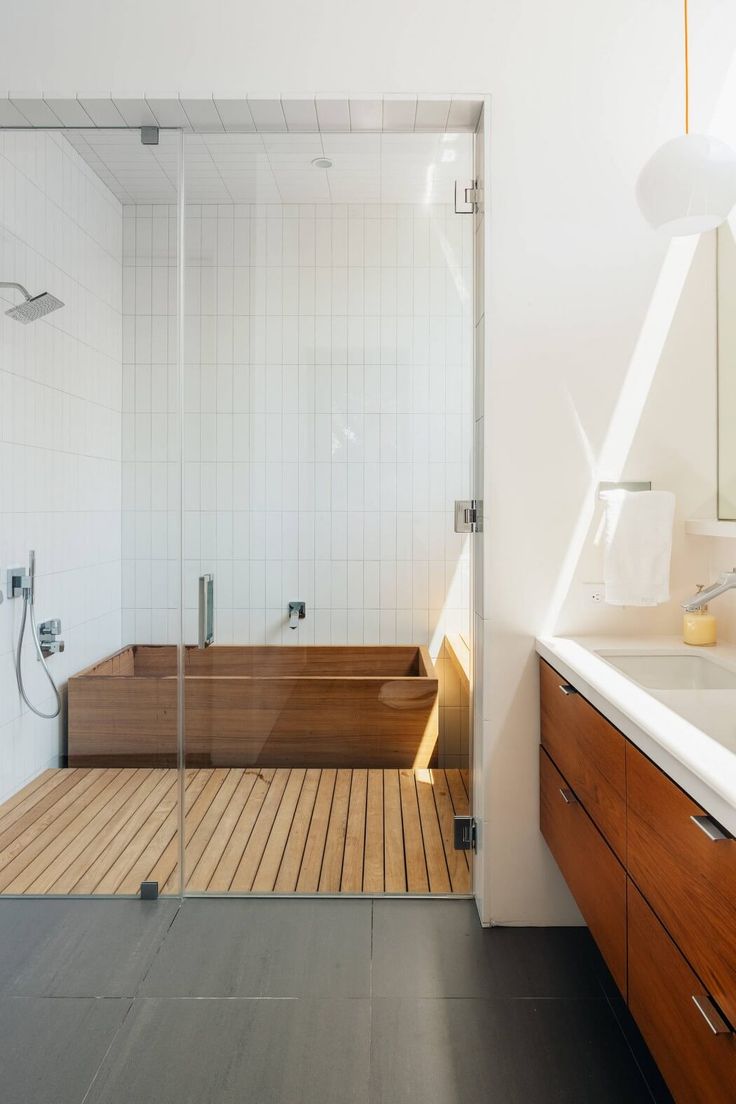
x: 327, y: 421
x: 60, y: 401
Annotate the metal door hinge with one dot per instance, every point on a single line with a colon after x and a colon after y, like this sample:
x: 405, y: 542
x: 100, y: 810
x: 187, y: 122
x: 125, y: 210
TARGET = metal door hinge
x: 467, y: 198
x: 468, y: 515
x: 465, y: 836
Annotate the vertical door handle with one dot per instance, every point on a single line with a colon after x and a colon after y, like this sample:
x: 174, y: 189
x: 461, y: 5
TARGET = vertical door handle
x: 567, y: 689
x: 206, y: 610
x: 568, y: 796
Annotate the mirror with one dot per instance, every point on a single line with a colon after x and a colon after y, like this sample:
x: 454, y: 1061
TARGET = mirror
x: 726, y: 274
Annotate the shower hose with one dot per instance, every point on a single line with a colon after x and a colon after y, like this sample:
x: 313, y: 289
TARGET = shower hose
x: 28, y: 602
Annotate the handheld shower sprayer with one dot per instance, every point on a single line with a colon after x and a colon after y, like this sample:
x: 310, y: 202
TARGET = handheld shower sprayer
x: 30, y: 588
x: 23, y: 585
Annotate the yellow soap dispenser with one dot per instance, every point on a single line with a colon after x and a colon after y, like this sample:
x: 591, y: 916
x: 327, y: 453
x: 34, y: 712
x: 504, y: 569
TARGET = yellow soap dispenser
x: 699, y: 626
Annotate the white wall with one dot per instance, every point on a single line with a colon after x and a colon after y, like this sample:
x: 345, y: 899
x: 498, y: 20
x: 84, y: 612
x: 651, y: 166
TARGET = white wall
x: 581, y: 95
x: 327, y: 422
x: 60, y: 379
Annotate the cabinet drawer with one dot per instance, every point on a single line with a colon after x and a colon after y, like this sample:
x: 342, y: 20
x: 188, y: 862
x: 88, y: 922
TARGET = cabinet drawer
x: 592, y: 871
x: 687, y: 878
x: 589, y: 751
x: 698, y: 1065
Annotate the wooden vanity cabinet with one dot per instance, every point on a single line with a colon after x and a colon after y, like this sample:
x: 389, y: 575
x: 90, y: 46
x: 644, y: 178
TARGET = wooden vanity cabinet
x: 655, y: 879
x: 594, y: 874
x: 688, y: 1039
x: 590, y: 753
x: 685, y: 866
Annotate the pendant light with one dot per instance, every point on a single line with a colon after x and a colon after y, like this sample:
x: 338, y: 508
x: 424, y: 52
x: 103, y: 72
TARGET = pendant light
x: 689, y: 185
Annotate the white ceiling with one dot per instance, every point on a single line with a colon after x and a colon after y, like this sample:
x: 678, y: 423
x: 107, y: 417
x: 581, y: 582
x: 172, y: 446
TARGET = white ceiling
x: 239, y: 113
x: 412, y: 167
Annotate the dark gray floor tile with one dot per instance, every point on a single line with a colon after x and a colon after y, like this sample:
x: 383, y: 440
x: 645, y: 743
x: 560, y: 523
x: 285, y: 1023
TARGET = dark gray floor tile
x: 503, y: 1051
x: 79, y: 948
x: 51, y: 1048
x: 439, y: 949
x: 243, y: 1051
x: 250, y: 948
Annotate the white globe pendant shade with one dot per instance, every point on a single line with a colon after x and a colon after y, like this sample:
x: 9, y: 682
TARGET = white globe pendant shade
x: 688, y: 186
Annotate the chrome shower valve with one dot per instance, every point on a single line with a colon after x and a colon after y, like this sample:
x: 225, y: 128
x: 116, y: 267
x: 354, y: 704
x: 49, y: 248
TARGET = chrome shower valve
x: 48, y: 633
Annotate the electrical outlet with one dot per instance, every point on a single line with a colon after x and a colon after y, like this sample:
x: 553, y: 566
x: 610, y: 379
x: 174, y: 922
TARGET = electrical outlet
x: 595, y: 593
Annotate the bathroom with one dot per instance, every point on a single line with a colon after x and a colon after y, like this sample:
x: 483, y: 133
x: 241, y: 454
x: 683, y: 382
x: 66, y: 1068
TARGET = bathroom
x: 304, y: 505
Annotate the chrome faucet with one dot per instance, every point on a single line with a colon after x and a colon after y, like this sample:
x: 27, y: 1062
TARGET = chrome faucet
x: 297, y: 612
x: 726, y: 581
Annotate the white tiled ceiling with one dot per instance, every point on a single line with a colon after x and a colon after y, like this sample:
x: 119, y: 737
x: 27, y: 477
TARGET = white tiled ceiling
x: 236, y: 112
x: 417, y: 167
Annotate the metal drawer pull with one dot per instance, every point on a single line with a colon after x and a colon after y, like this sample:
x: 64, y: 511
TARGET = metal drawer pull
x: 713, y: 831
x: 568, y: 796
x: 711, y: 1015
x: 567, y: 689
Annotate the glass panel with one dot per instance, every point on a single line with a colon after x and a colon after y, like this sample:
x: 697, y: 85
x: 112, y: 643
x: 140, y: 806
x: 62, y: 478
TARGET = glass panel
x: 89, y: 441
x: 327, y: 432
x: 726, y: 373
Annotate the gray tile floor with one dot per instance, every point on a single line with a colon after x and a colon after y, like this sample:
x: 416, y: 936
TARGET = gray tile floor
x: 305, y: 1001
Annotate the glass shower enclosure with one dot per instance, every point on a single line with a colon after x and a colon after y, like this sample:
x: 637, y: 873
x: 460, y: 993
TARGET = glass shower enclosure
x: 246, y: 428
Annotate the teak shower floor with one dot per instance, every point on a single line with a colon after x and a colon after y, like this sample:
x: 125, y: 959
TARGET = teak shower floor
x: 105, y: 830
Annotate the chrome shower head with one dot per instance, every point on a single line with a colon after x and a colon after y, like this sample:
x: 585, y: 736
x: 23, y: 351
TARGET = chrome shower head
x: 35, y: 306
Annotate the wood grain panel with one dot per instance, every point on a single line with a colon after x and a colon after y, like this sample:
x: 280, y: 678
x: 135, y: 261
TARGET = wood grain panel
x: 246, y: 830
x: 458, y: 863
x: 268, y: 870
x: 689, y: 880
x: 698, y: 1066
x: 416, y: 864
x: 373, y: 881
x: 592, y: 871
x: 394, y: 860
x: 590, y: 753
x: 253, y: 853
x: 37, y: 837
x: 85, y: 878
x: 28, y: 796
x: 305, y: 661
x: 196, y: 843
x: 291, y: 862
x: 369, y: 706
x: 238, y: 841
x: 352, y: 864
x: 161, y: 821
x: 434, y: 851
x: 28, y: 812
x: 94, y: 836
x: 199, y: 878
x: 308, y: 881
x: 331, y: 872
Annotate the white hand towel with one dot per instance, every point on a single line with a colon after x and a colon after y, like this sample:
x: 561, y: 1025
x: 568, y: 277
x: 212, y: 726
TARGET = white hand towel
x: 638, y: 546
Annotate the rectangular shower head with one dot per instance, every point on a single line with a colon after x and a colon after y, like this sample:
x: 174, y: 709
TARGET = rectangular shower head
x: 34, y: 308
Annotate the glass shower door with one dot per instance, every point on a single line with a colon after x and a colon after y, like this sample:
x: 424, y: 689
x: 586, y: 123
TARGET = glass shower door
x: 327, y: 431
x: 90, y: 792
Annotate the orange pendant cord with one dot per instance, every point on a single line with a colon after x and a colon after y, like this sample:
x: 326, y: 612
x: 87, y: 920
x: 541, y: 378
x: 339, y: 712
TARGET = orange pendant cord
x: 687, y: 77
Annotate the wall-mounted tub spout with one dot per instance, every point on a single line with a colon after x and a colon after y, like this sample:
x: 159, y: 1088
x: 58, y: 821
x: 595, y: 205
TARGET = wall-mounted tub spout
x: 297, y: 612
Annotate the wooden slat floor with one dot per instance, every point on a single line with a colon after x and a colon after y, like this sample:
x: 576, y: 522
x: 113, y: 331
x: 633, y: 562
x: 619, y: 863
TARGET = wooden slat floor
x: 106, y: 830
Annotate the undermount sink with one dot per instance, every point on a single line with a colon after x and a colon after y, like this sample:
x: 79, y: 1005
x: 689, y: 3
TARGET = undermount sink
x: 673, y: 672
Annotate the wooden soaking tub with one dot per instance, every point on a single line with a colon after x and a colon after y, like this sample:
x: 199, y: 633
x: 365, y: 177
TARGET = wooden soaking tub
x: 247, y: 706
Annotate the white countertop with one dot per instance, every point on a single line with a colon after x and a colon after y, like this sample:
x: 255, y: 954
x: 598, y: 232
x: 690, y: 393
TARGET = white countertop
x: 690, y: 734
